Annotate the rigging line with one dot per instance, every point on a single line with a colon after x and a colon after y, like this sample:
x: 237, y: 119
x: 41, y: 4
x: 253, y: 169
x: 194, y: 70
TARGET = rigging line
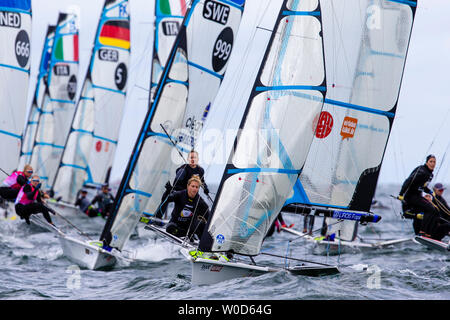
x: 65, y: 219
x: 314, y: 231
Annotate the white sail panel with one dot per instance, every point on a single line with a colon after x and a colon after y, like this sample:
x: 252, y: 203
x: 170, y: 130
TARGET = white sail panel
x: 275, y: 134
x: 15, y: 39
x: 182, y: 99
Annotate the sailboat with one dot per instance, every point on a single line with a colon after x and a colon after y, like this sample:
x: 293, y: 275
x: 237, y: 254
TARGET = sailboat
x: 188, y: 85
x: 15, y: 35
x: 90, y: 146
x: 290, y: 91
x: 353, y: 129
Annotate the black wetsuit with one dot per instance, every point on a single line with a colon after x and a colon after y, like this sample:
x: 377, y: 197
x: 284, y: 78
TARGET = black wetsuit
x: 443, y: 224
x: 105, y: 203
x: 183, y: 174
x: 24, y: 211
x: 187, y: 215
x: 412, y: 190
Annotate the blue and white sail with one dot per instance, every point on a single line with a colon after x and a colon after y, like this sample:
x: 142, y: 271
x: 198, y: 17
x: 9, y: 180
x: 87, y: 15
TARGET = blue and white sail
x: 57, y: 113
x: 15, y: 39
x: 188, y: 86
x: 40, y: 96
x: 90, y: 147
x: 365, y: 51
x: 169, y: 15
x: 275, y: 135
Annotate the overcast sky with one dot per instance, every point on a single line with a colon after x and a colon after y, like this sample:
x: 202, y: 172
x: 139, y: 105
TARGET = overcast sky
x: 421, y: 125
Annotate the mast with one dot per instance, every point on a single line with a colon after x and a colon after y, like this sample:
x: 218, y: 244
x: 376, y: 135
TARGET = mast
x: 15, y: 39
x: 189, y: 84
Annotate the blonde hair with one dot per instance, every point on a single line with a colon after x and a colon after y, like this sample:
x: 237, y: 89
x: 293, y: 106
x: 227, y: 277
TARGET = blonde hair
x: 27, y: 166
x: 195, y: 178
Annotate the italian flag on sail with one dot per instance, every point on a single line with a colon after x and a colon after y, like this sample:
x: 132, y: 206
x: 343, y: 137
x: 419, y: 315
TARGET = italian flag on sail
x: 116, y: 33
x: 67, y: 48
x: 172, y: 7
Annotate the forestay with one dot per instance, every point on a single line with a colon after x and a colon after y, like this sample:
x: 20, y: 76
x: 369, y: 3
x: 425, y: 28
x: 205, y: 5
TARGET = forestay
x: 91, y: 144
x: 275, y: 133
x: 366, y: 43
x: 15, y: 38
x: 39, y: 98
x: 169, y: 16
x: 189, y: 84
x: 57, y: 112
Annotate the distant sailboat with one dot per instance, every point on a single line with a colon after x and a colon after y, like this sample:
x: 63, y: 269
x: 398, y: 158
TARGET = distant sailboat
x: 15, y: 39
x: 90, y: 147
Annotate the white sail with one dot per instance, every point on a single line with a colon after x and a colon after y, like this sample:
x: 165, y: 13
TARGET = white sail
x: 15, y: 39
x: 365, y: 51
x: 169, y: 16
x: 189, y: 85
x: 38, y: 99
x: 57, y: 111
x: 275, y: 135
x: 90, y: 147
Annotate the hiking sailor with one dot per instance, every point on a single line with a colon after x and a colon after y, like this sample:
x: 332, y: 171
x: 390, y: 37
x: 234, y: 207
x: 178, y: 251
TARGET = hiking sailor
x: 443, y: 222
x: 82, y: 201
x: 411, y: 193
x: 12, y: 184
x: 29, y: 201
x: 190, y: 214
x: 104, y: 202
x: 182, y: 176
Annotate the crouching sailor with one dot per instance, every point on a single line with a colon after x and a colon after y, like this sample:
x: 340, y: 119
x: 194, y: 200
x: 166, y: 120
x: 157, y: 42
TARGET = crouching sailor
x: 29, y: 201
x: 11, y: 185
x: 190, y: 213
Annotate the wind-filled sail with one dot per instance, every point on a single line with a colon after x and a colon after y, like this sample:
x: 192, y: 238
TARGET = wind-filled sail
x: 57, y: 109
x: 91, y: 144
x: 189, y: 84
x: 40, y: 95
x: 169, y: 16
x: 365, y: 51
x: 275, y: 132
x: 15, y: 39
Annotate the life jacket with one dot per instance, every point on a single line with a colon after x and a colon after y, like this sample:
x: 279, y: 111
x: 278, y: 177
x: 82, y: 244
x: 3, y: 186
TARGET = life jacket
x: 22, y: 196
x: 11, y: 181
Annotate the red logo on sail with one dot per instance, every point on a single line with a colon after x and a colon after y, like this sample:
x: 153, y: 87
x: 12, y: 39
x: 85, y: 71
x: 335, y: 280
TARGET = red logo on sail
x: 98, y: 146
x: 324, y: 125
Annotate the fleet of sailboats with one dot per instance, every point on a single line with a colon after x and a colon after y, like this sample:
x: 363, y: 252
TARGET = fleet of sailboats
x: 311, y: 139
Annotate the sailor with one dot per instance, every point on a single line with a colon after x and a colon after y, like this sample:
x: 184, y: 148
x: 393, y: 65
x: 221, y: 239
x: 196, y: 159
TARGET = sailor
x: 82, y: 201
x: 443, y: 222
x: 104, y: 200
x: 12, y: 184
x: 411, y: 193
x: 190, y: 214
x: 29, y: 201
x: 182, y: 176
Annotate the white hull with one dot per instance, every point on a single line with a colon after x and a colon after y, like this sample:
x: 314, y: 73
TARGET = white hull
x: 433, y: 244
x: 206, y: 271
x: 86, y: 254
x: 337, y: 247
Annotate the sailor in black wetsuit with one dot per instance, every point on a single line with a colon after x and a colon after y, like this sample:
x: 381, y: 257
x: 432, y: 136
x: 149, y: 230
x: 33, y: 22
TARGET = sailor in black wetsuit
x: 411, y: 193
x: 183, y: 174
x: 190, y: 213
x: 443, y: 223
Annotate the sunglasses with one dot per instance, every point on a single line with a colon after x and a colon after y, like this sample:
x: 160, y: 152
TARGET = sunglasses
x: 34, y: 180
x: 29, y: 171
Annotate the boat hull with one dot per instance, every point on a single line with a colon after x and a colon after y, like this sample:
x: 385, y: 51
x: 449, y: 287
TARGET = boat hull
x: 86, y: 254
x: 433, y: 244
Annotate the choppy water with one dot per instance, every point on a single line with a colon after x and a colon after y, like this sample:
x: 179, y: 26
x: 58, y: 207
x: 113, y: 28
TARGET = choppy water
x: 33, y: 267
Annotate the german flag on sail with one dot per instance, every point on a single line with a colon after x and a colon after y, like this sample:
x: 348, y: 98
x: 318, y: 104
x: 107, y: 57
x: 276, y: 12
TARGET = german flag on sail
x: 116, y: 33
